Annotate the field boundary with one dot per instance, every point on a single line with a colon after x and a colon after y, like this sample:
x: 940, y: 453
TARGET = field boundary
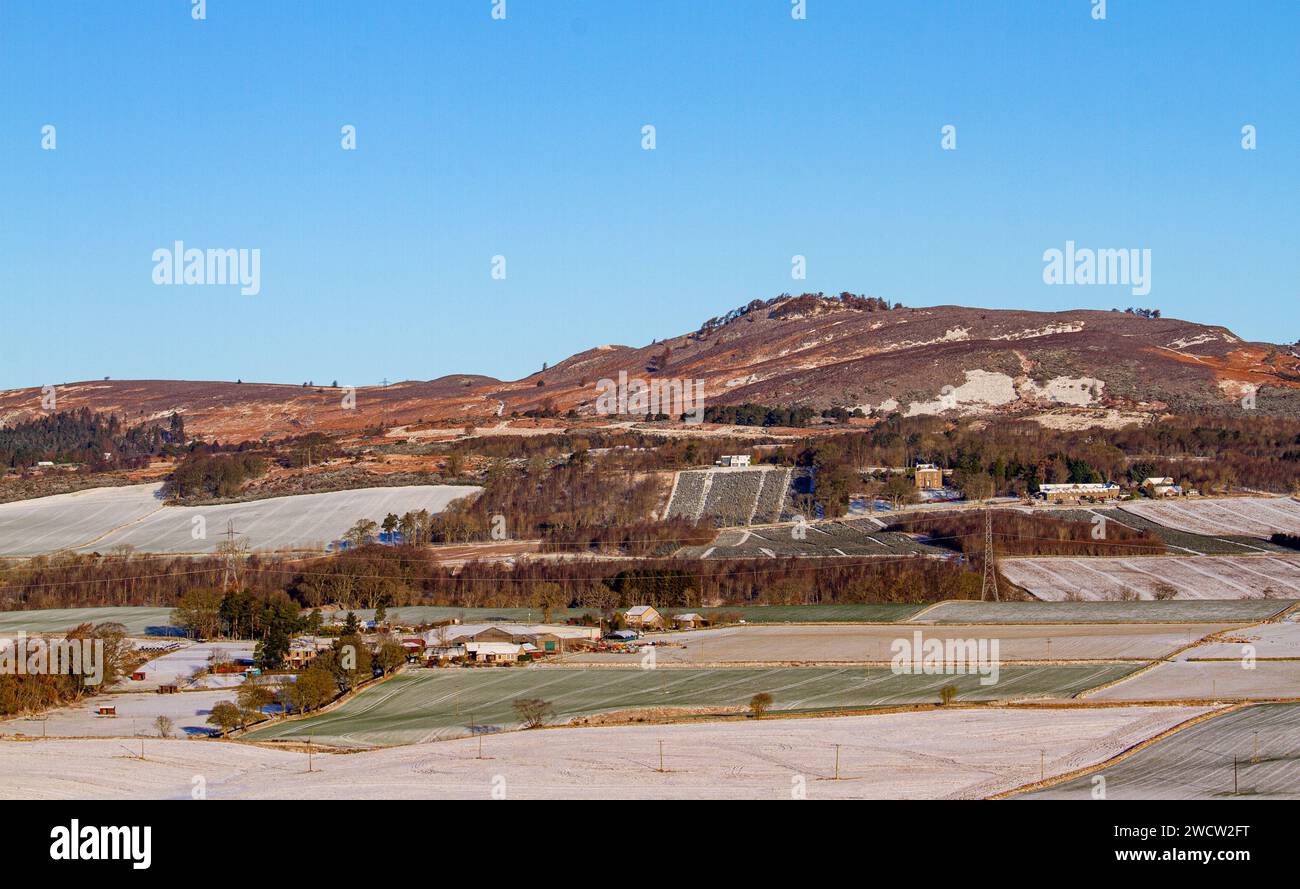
x: 1066, y: 777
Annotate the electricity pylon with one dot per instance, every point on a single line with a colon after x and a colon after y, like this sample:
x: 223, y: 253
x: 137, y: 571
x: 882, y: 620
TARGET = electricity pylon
x: 990, y: 584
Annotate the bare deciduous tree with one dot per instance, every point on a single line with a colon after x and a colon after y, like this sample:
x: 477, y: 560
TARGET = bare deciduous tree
x: 533, y: 712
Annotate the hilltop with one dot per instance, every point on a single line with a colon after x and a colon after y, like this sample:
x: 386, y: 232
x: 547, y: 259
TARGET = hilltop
x: 856, y: 353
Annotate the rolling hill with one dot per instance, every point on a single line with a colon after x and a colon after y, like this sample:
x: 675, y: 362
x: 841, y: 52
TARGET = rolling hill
x: 812, y: 350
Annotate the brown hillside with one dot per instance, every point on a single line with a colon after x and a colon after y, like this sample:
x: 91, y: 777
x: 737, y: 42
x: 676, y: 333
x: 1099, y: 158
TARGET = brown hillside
x: 814, y: 351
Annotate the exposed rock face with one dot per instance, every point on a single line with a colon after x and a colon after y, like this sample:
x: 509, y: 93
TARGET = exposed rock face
x: 820, y: 352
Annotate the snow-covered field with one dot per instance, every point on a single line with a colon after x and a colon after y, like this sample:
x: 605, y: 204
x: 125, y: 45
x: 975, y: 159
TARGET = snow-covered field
x: 959, y: 753
x: 423, y: 705
x: 138, y: 620
x: 1248, y: 754
x: 135, y: 715
x: 1222, y: 668
x: 1060, y: 578
x: 1183, y: 680
x: 179, y: 666
x: 1132, y: 612
x: 64, y: 521
x: 103, y: 518
x: 847, y: 644
x: 1247, y: 516
x: 1279, y: 640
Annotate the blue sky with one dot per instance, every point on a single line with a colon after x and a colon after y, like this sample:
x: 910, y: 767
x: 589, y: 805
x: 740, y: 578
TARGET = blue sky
x: 522, y: 138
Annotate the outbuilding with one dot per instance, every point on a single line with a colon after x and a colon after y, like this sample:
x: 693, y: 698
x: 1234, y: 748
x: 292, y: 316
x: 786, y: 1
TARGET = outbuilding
x: 643, y: 616
x: 493, y: 652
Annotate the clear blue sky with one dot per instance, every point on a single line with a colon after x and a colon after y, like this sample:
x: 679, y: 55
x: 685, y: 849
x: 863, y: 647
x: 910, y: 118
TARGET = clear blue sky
x: 522, y: 137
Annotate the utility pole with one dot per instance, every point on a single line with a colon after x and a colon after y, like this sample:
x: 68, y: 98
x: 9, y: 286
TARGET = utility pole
x: 661, y: 756
x: 837, y: 762
x: 990, y: 582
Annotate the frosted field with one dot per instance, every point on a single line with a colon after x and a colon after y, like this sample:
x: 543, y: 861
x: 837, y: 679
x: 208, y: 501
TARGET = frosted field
x: 955, y: 753
x: 177, y: 667
x: 829, y: 644
x: 134, y: 516
x: 1147, y: 611
x: 1059, y: 578
x: 139, y: 621
x: 1197, y: 762
x: 135, y: 715
x: 1185, y: 680
x: 1279, y: 640
x: 424, y: 705
x: 1246, y: 516
x: 64, y: 521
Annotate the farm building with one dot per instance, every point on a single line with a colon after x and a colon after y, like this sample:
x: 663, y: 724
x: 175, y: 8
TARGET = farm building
x: 643, y: 616
x: 494, y: 652
x: 1161, y: 487
x: 435, y: 653
x: 928, y: 476
x: 548, y: 638
x: 733, y: 460
x: 1078, y: 491
x: 688, y: 621
x: 303, y: 651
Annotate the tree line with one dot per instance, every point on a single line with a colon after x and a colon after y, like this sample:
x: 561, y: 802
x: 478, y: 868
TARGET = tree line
x: 371, y: 576
x: 1016, y: 534
x: 83, y: 436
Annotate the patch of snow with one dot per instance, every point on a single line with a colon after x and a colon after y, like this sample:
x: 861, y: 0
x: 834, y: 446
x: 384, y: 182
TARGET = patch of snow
x: 1065, y: 390
x: 1049, y: 330
x: 981, y: 389
x: 1193, y: 341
